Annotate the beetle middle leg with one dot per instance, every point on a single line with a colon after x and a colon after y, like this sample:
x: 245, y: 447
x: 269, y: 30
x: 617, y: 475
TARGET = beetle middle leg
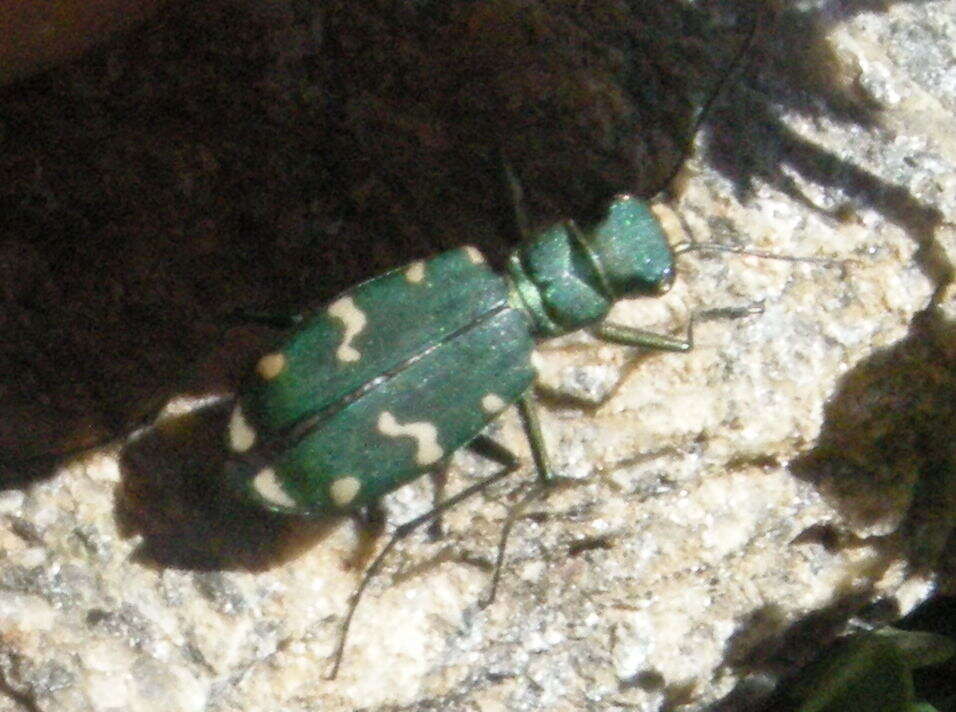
x: 546, y: 477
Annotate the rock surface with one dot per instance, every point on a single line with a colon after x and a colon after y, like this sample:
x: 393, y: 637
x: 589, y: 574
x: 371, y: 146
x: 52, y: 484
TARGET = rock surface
x: 726, y: 510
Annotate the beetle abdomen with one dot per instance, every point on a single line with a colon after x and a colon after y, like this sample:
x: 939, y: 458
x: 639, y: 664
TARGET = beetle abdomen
x: 412, y: 421
x: 380, y: 386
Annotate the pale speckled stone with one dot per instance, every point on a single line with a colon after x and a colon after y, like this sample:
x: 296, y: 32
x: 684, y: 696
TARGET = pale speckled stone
x: 685, y: 522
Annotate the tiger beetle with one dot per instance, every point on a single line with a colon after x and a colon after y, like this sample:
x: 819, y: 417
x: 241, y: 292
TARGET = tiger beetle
x: 392, y: 377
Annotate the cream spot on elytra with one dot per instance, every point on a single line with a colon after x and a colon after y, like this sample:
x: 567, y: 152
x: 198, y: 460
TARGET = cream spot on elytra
x: 492, y: 403
x: 344, y: 490
x: 267, y: 486
x: 428, y: 451
x: 415, y: 272
x: 241, y: 435
x: 271, y: 365
x: 474, y: 255
x: 354, y: 319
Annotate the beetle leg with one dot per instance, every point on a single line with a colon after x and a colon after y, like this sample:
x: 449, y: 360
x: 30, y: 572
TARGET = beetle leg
x: 516, y: 195
x: 539, y: 451
x: 532, y: 425
x: 492, y: 450
x: 439, y: 479
x: 631, y: 336
x: 401, y: 532
x: 370, y: 522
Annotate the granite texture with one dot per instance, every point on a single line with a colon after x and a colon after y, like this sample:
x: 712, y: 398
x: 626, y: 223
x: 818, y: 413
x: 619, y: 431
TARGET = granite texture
x: 726, y: 511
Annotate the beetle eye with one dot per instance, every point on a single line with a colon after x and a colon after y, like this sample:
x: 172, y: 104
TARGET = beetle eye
x: 667, y: 281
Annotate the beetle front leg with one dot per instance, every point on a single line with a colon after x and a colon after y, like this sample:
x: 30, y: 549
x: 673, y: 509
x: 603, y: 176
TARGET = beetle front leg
x: 632, y: 336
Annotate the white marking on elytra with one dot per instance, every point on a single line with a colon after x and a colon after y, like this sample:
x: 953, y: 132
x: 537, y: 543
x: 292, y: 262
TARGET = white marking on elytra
x: 354, y: 320
x: 344, y: 490
x: 492, y: 403
x: 267, y: 486
x: 474, y: 255
x: 425, y: 434
x: 536, y: 362
x: 415, y: 272
x: 242, y: 436
x: 271, y: 365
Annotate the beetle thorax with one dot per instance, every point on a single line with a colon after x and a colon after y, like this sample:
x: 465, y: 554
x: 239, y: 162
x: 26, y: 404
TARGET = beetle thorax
x: 566, y: 278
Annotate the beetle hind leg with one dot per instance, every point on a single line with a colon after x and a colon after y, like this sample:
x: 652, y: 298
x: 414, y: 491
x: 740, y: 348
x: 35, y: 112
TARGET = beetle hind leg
x: 402, y: 531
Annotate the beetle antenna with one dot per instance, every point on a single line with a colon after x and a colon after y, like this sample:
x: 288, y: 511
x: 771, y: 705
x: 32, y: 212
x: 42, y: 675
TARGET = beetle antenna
x: 722, y: 84
x: 684, y: 247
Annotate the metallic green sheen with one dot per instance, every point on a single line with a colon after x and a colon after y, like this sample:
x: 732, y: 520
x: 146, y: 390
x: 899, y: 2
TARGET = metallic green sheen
x: 429, y: 352
x: 403, y: 319
x: 444, y: 389
x: 387, y: 381
x: 558, y: 268
x: 631, y: 249
x: 567, y: 278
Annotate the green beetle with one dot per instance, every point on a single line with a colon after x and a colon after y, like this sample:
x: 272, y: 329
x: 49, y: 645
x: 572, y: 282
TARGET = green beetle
x: 392, y: 377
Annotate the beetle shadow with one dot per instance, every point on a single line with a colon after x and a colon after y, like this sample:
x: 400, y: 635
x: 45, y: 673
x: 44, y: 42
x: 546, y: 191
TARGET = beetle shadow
x: 322, y: 155
x: 174, y: 497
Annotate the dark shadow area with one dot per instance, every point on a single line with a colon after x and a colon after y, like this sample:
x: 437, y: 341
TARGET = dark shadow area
x: 777, y: 659
x: 885, y: 456
x: 224, y: 157
x: 935, y: 616
x: 172, y: 495
x: 765, y: 650
x: 227, y: 156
